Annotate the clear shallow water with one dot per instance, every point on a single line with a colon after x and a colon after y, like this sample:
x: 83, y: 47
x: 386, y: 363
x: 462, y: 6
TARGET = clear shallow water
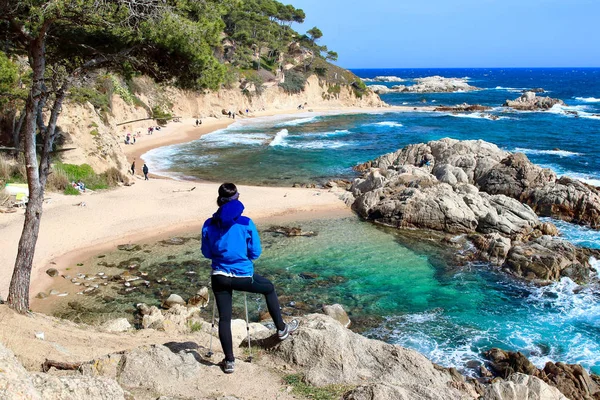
x: 392, y: 292
x: 401, y: 295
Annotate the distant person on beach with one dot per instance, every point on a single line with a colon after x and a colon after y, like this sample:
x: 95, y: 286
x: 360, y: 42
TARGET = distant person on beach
x: 197, y: 123
x: 231, y: 241
x: 133, y: 167
x: 145, y: 171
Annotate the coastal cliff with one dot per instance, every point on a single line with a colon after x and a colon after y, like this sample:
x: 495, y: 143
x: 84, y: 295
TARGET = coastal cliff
x: 95, y: 135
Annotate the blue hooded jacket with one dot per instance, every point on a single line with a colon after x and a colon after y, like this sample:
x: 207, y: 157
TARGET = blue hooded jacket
x: 231, y: 241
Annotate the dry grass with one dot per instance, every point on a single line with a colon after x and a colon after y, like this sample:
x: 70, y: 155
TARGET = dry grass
x: 6, y: 168
x: 57, y: 180
x: 114, y: 176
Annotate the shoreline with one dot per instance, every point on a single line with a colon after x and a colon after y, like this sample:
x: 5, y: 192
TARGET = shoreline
x: 186, y: 131
x: 75, y: 224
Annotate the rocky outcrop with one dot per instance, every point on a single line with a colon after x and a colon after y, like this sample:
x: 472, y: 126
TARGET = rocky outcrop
x: 473, y: 186
x: 17, y: 383
x: 572, y: 381
x: 327, y: 353
x: 528, y: 101
x: 513, y: 176
x: 464, y: 107
x: 567, y: 199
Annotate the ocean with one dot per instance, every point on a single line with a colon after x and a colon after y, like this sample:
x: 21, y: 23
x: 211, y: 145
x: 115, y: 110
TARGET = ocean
x: 403, y: 293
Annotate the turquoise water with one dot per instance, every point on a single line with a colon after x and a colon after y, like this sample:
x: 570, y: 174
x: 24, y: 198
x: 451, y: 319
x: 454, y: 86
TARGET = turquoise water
x: 395, y: 287
x: 412, y: 297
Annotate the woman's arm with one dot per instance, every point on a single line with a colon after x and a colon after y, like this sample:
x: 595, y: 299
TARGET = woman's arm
x: 254, y: 248
x: 205, y: 247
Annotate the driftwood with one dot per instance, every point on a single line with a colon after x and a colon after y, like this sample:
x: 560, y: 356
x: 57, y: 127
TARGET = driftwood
x: 64, y: 366
x: 184, y: 190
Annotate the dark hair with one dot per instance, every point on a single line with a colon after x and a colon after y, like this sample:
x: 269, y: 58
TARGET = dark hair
x: 226, y: 192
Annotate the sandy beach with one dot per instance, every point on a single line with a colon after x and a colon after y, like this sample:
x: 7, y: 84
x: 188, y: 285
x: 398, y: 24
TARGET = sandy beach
x: 79, y: 226
x: 91, y: 223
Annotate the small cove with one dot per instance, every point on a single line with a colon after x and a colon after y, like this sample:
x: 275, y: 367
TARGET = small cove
x: 396, y: 288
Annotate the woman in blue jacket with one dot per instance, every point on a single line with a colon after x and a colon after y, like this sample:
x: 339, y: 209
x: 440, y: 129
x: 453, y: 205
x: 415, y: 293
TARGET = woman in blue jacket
x: 231, y: 241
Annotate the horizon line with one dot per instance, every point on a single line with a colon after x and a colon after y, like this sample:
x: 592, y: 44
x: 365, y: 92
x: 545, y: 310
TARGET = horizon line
x: 470, y: 67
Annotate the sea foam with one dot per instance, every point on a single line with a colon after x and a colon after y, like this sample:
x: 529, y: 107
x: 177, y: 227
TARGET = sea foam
x: 390, y: 124
x: 588, y: 99
x: 560, y: 153
x: 279, y: 139
x: 298, y: 121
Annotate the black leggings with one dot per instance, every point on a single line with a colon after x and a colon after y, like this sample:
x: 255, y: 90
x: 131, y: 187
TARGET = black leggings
x: 223, y: 287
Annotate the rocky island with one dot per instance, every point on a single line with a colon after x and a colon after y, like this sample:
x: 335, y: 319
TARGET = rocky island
x: 431, y: 84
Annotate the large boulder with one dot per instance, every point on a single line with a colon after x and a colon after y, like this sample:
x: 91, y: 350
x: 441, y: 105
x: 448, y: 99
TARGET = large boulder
x: 522, y: 387
x: 328, y: 353
x: 572, y: 381
x: 548, y: 258
x: 567, y: 199
x: 513, y: 176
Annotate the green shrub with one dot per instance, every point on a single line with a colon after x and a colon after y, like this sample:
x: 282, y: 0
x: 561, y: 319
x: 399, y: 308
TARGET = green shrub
x: 359, y: 88
x: 71, y: 191
x: 321, y: 71
x: 160, y: 115
x: 294, y: 82
x: 99, y: 100
x: 72, y: 173
x: 195, y: 326
x: 94, y: 132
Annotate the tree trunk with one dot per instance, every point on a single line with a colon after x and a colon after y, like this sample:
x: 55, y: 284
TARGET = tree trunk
x: 18, y: 294
x: 16, y: 142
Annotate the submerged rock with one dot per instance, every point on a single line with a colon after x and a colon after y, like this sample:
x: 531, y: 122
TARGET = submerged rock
x: 464, y: 107
x: 290, y: 231
x: 129, y: 247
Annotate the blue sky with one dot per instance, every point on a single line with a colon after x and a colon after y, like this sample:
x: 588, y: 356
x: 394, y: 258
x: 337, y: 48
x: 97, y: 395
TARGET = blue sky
x: 457, y: 33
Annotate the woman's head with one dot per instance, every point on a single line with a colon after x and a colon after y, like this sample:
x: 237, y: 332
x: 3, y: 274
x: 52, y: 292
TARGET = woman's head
x: 227, y: 192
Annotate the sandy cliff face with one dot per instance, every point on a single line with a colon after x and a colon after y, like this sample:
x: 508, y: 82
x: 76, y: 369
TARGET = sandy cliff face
x: 96, y: 139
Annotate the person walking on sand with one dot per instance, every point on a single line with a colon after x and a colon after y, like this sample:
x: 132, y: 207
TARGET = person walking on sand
x: 145, y: 171
x: 231, y: 241
x: 133, y: 167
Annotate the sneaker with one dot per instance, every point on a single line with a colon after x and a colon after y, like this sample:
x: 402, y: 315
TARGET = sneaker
x: 228, y: 366
x: 289, y: 328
